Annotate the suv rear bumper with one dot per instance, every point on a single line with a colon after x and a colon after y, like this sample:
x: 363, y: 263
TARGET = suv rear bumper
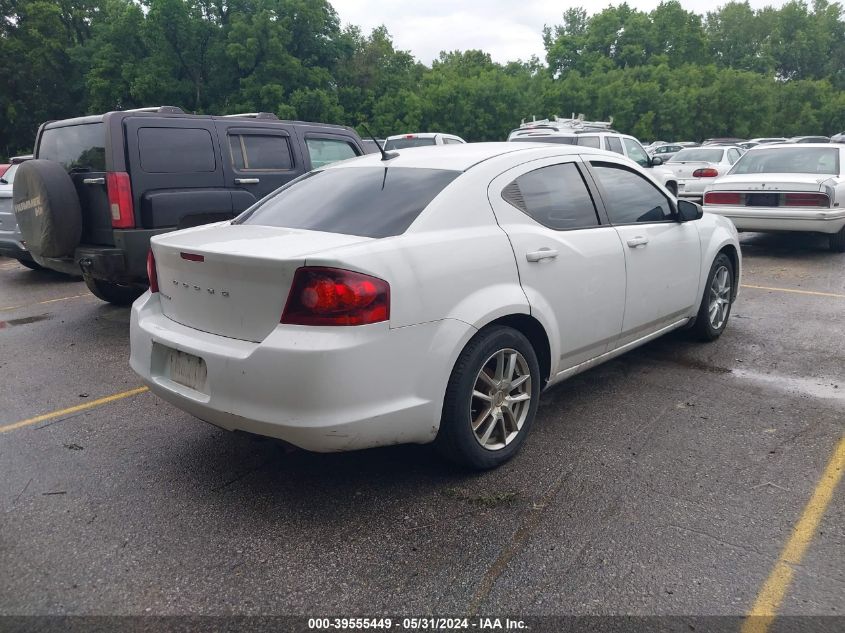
x: 14, y: 249
x: 125, y: 262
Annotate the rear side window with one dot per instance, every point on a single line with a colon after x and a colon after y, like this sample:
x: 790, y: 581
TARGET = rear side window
x: 590, y: 141
x: 405, y: 143
x: 628, y: 197
x: 561, y: 140
x: 324, y: 151
x: 614, y: 144
x: 554, y: 196
x: 366, y: 201
x: 260, y: 152
x: 175, y: 150
x: 76, y: 147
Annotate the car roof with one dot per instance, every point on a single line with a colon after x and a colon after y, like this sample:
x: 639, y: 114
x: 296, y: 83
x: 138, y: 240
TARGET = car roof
x: 463, y: 157
x: 795, y: 145
x: 417, y: 135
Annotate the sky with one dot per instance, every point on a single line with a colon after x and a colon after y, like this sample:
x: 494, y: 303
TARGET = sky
x: 507, y: 29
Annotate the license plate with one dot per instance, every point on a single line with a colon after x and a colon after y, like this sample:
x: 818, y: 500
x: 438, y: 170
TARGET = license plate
x: 762, y: 200
x: 187, y: 370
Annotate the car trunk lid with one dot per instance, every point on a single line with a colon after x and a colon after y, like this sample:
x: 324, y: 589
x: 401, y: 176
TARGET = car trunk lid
x: 233, y: 280
x: 685, y: 169
x: 771, y: 182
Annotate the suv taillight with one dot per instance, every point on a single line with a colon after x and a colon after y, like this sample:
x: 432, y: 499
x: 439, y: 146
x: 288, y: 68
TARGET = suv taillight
x: 333, y: 296
x: 152, y: 274
x: 120, y: 200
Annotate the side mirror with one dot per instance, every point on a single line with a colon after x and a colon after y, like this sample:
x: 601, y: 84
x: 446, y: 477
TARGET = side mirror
x: 654, y: 161
x: 689, y: 211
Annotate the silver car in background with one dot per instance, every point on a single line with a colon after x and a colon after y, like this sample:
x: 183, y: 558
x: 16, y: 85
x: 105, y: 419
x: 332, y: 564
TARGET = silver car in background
x: 11, y: 241
x: 696, y: 167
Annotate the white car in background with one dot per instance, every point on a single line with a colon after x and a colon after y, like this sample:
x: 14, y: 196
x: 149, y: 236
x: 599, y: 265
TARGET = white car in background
x: 696, y: 167
x: 785, y: 188
x: 421, y: 139
x: 428, y: 297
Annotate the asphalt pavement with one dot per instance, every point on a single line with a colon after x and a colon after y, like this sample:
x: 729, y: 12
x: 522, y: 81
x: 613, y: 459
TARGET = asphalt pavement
x: 666, y: 482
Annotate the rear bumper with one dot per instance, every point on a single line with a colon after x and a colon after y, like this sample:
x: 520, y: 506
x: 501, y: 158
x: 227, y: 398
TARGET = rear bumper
x: 779, y: 219
x: 320, y: 388
x: 10, y: 247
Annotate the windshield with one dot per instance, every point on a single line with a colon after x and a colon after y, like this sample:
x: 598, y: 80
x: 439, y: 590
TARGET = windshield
x: 366, y: 201
x: 76, y: 147
x: 404, y: 143
x: 789, y: 160
x: 9, y: 176
x: 698, y: 155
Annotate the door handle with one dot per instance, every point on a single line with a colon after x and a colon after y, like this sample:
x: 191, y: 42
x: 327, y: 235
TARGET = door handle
x: 93, y: 181
x: 543, y: 253
x: 636, y: 242
x: 246, y: 181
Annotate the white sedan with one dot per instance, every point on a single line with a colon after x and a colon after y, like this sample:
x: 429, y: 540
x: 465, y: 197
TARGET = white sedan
x: 427, y: 297
x: 696, y: 167
x: 785, y: 188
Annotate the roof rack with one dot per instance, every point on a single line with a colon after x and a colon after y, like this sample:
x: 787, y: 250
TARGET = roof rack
x: 573, y: 123
x: 253, y: 115
x: 164, y: 109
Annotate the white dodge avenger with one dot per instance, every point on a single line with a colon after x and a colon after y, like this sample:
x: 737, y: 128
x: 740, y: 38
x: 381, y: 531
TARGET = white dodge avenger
x: 426, y: 296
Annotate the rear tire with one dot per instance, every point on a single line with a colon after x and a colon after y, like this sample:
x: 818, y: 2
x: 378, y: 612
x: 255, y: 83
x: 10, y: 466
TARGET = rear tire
x: 113, y: 293
x: 30, y: 264
x: 491, y: 399
x: 715, y: 308
x: 837, y: 241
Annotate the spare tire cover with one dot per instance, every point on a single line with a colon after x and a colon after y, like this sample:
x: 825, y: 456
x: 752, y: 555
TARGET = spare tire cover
x: 47, y: 208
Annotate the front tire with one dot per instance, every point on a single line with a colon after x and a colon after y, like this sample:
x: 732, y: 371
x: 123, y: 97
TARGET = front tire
x: 113, y: 293
x: 491, y: 399
x: 715, y: 308
x: 837, y: 241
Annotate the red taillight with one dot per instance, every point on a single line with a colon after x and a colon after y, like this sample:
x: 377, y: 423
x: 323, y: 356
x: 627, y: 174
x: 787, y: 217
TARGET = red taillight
x: 705, y: 172
x: 805, y: 200
x: 410, y: 136
x: 192, y: 257
x: 332, y: 296
x: 722, y: 197
x: 152, y: 275
x: 120, y: 200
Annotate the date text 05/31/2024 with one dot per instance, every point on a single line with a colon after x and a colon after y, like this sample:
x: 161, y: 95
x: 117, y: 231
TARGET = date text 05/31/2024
x: 415, y: 624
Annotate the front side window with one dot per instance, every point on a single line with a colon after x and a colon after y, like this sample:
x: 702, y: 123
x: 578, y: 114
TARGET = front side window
x: 614, y: 144
x: 324, y: 151
x: 260, y: 152
x: 628, y: 197
x: 76, y: 147
x: 368, y: 201
x: 635, y: 152
x: 554, y: 196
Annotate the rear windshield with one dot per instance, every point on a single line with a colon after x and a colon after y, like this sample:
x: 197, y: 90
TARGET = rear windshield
x: 77, y: 147
x: 789, y: 160
x: 366, y: 201
x: 404, y: 143
x: 563, y: 140
x: 698, y: 155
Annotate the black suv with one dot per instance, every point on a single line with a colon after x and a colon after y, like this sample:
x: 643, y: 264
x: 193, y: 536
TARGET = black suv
x: 101, y: 186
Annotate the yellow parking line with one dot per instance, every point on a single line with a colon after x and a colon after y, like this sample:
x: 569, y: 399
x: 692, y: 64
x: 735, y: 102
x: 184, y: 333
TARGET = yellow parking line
x: 70, y: 410
x: 768, y: 601
x: 38, y: 303
x: 798, y: 292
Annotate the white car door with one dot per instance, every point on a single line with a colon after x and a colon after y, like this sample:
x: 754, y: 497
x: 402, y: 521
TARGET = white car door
x: 662, y: 255
x: 571, y: 267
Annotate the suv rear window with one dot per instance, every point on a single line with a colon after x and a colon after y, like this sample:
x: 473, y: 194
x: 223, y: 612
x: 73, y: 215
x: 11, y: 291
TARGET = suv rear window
x: 80, y: 147
x: 563, y: 140
x: 366, y: 201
